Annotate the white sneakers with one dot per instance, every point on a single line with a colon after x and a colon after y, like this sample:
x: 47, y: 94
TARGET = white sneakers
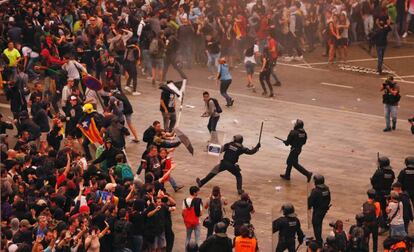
x: 128, y: 88
x: 136, y: 93
x: 404, y: 35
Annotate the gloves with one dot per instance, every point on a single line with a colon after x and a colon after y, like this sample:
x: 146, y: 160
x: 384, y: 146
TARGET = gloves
x: 258, y: 146
x: 285, y: 143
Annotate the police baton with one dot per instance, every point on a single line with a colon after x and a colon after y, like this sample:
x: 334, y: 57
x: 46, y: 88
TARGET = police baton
x: 278, y: 138
x: 261, y: 130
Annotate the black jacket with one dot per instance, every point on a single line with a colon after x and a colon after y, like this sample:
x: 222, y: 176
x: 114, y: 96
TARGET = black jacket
x: 382, y: 179
x: 233, y: 150
x: 242, y: 211
x: 320, y: 199
x: 296, y: 139
x: 288, y: 228
x: 216, y: 244
x: 109, y: 156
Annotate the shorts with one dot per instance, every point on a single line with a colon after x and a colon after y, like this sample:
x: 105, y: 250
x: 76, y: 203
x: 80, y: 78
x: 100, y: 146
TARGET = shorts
x: 342, y: 42
x: 159, y: 241
x: 128, y: 118
x: 249, y: 67
x: 157, y: 63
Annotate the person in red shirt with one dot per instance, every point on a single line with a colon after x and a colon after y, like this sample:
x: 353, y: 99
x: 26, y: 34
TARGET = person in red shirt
x: 272, y: 46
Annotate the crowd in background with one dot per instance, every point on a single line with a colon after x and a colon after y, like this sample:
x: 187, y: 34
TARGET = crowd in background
x: 58, y: 196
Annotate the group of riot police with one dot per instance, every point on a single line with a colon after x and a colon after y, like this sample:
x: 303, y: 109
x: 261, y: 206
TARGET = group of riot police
x: 383, y: 183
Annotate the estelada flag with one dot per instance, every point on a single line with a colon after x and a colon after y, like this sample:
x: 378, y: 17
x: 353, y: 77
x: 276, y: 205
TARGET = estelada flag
x: 89, y: 129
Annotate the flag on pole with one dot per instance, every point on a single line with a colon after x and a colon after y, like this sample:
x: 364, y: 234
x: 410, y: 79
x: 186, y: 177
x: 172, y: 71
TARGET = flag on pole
x: 177, y: 87
x: 89, y: 129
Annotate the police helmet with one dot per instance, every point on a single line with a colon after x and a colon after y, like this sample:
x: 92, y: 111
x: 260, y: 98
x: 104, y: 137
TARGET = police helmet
x: 409, y: 162
x: 299, y: 124
x: 319, y: 179
x: 220, y: 228
x: 371, y: 193
x: 288, y: 210
x: 383, y: 161
x: 359, y: 217
x: 238, y: 139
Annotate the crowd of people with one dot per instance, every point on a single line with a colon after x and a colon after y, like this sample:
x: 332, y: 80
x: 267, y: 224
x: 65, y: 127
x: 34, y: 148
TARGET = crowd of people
x: 61, y: 193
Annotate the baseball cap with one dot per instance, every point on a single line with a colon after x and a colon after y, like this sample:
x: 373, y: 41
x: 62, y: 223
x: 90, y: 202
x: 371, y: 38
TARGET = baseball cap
x: 73, y: 98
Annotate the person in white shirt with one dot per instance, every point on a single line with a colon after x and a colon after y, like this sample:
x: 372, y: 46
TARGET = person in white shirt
x: 66, y: 92
x: 30, y: 58
x: 395, y: 215
x: 74, y: 70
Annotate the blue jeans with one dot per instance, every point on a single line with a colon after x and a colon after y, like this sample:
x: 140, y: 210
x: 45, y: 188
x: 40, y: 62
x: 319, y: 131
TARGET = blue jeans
x: 380, y: 55
x: 196, y: 231
x: 397, y: 230
x: 147, y: 61
x: 29, y: 67
x: 172, y: 182
x: 137, y: 241
x: 212, y: 62
x: 224, y: 86
x: 390, y: 112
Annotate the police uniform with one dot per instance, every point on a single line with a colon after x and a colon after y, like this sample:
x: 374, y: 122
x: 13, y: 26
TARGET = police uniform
x: 232, y: 152
x: 406, y: 177
x: 319, y: 200
x: 296, y: 139
x: 288, y: 228
x: 382, y: 181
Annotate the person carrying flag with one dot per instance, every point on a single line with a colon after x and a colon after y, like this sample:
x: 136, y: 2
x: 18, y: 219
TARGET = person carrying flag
x: 90, y: 125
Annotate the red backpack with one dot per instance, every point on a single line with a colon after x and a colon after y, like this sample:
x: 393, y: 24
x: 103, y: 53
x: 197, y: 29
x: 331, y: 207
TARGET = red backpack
x: 189, y: 215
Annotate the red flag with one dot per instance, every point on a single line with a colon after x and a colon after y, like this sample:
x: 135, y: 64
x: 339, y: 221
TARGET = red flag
x: 90, y: 130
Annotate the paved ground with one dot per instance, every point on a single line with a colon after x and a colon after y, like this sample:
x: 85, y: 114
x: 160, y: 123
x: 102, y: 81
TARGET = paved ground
x: 342, y: 112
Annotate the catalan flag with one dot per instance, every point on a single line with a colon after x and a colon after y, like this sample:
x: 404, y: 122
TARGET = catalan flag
x: 89, y: 129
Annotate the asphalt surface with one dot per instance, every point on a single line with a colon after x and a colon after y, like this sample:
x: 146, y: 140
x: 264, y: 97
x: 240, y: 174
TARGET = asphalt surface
x: 343, y: 116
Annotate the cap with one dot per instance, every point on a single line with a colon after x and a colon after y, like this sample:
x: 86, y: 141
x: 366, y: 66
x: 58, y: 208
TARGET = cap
x: 110, y: 186
x: 73, y: 98
x: 84, y: 209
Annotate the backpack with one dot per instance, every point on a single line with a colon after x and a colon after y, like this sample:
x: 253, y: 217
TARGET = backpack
x: 189, y: 215
x: 148, y: 136
x: 217, y: 105
x: 357, y: 237
x: 369, y: 211
x: 340, y: 239
x: 215, y: 210
x: 154, y: 48
x: 127, y: 105
x: 120, y: 233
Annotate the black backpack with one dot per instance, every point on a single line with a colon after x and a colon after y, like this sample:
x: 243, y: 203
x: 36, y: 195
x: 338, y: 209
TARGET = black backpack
x: 217, y: 105
x: 369, y: 211
x: 148, y: 136
x: 215, y: 210
x: 357, y: 238
x: 340, y: 239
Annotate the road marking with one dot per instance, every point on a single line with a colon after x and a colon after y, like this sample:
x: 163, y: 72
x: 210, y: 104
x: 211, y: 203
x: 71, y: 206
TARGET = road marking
x: 411, y: 96
x: 400, y: 80
x: 4, y: 105
x: 303, y: 66
x: 335, y: 85
x: 289, y: 102
x: 360, y: 60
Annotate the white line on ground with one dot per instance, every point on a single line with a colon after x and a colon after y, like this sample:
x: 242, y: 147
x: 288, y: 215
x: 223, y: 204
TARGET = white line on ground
x: 303, y: 66
x: 400, y: 80
x: 289, y: 102
x: 359, y: 60
x: 406, y: 76
x: 336, y: 85
x: 411, y: 96
x: 4, y: 105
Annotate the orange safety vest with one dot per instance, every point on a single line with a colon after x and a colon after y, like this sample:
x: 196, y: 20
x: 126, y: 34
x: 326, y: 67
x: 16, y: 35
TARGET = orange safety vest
x: 245, y: 244
x: 398, y: 245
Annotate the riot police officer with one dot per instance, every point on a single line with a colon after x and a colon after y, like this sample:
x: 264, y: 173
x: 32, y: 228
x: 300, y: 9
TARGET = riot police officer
x: 232, y: 152
x: 406, y: 177
x: 320, y: 201
x: 296, y: 139
x: 382, y: 181
x: 288, y: 227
